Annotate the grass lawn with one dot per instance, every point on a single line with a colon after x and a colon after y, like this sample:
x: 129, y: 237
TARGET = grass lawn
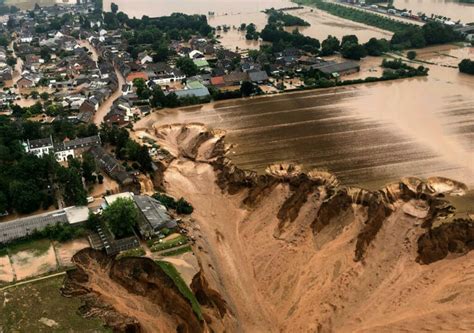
x: 157, y: 246
x: 39, y: 246
x: 39, y: 307
x: 177, y: 251
x: 171, y: 271
x: 138, y: 252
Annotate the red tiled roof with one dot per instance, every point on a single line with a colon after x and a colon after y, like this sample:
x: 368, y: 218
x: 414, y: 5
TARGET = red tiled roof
x: 137, y: 75
x: 217, y: 80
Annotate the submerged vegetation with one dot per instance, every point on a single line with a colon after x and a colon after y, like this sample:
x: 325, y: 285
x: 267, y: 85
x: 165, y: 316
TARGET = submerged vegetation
x: 281, y: 18
x: 405, y: 35
x: 356, y: 15
x: 467, y: 66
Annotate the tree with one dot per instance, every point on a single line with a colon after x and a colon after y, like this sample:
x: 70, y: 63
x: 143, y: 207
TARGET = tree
x: 3, y: 203
x: 376, y: 47
x: 184, y: 207
x: 34, y: 94
x: 88, y: 167
x: 467, y: 66
x: 330, y: 45
x: 187, y: 65
x: 71, y: 186
x: 45, y: 53
x: 114, y: 7
x: 251, y: 32
x: 142, y: 90
x: 247, y: 88
x: 121, y: 216
x: 352, y: 39
x: 438, y: 33
x: 411, y: 55
x: 11, y: 61
x: 353, y: 51
x: 25, y: 196
x: 144, y: 159
x: 44, y: 96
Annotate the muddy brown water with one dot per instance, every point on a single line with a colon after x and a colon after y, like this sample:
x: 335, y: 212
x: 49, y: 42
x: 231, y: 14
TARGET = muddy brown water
x: 453, y: 9
x: 368, y: 135
x: 233, y: 13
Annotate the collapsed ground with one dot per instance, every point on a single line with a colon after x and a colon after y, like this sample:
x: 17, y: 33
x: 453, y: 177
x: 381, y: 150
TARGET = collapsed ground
x: 294, y: 252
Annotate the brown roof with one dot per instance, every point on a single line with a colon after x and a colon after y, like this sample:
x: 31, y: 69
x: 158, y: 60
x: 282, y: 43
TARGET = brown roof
x: 137, y: 75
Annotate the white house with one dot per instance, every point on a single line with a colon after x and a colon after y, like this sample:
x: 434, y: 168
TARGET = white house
x: 146, y: 59
x: 195, y: 54
x: 61, y: 150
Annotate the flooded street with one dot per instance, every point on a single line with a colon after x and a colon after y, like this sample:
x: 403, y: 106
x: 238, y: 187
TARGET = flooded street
x: 453, y: 9
x: 367, y: 134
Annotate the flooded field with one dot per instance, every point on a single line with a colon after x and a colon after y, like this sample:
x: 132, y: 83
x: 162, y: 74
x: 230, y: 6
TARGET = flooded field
x: 367, y: 134
x: 453, y: 9
x: 234, y: 13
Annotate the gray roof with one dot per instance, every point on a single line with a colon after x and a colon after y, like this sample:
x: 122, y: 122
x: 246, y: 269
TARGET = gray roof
x: 198, y: 92
x: 78, y: 143
x: 39, y: 143
x: 336, y: 67
x: 258, y: 76
x: 155, y: 215
x: 22, y: 227
x: 110, y: 165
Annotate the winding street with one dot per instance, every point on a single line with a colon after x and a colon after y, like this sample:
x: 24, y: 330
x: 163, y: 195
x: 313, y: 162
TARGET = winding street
x: 105, y: 107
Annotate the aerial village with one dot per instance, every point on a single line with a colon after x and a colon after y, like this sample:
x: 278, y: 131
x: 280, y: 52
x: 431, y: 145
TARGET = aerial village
x: 78, y: 80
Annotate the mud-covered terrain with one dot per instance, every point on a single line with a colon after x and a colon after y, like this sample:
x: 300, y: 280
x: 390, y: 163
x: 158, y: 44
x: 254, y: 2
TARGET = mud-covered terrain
x: 289, y: 251
x: 129, y: 295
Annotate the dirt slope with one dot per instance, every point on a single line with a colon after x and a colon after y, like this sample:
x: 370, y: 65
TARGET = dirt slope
x: 292, y: 252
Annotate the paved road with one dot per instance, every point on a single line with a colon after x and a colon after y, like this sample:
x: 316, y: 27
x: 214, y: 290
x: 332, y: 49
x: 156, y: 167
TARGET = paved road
x: 21, y: 283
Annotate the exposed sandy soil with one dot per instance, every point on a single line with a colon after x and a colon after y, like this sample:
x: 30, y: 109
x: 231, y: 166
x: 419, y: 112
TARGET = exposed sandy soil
x: 28, y: 264
x: 65, y: 251
x: 6, y: 270
x: 283, y: 277
x: 186, y: 264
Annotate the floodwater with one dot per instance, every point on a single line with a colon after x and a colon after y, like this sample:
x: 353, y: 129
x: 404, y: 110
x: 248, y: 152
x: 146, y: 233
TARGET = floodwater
x: 368, y: 135
x: 234, y: 13
x: 453, y: 9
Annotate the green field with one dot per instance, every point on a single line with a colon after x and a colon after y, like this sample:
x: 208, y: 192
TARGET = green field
x: 39, y: 246
x: 27, y: 309
x: 176, y: 252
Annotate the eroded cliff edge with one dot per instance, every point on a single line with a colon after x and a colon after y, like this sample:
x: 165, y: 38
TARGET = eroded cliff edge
x: 296, y: 251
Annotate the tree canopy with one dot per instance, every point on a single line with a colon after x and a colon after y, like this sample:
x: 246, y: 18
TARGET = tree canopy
x: 121, y: 216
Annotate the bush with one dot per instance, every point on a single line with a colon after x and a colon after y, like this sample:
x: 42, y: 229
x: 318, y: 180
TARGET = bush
x: 411, y: 55
x: 184, y: 207
x: 467, y: 66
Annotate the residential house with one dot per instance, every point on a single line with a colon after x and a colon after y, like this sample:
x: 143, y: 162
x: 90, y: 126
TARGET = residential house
x: 258, y: 77
x: 235, y: 78
x: 112, y: 167
x: 25, y: 82
x: 338, y: 69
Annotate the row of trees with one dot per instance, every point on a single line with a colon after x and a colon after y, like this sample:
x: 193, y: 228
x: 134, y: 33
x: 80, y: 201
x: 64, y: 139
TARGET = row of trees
x: 282, y: 39
x: 351, y: 49
x: 429, y: 34
x: 279, y: 17
x: 181, y: 206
